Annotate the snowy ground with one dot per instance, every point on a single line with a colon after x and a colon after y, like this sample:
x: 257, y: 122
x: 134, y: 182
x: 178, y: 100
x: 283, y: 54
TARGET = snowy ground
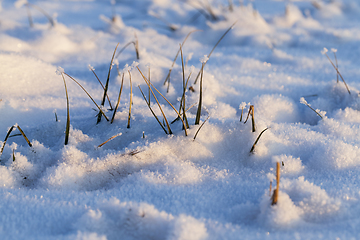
x: 145, y: 184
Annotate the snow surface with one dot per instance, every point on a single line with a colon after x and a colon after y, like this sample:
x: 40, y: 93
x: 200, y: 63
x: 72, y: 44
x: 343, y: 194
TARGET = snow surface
x: 145, y: 184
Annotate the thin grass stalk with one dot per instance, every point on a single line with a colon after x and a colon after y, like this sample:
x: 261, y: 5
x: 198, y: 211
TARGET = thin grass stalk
x: 198, y: 113
x: 337, y: 66
x: 183, y: 95
x: 149, y: 83
x: 119, y: 97
x: 165, y: 100
x: 308, y: 105
x: 6, y: 138
x: 162, y: 112
x: 256, y: 141
x: 102, y: 85
x: 242, y: 112
x: 115, y: 136
x: 136, y: 45
x: 13, y: 155
x: 184, y: 88
x: 67, y: 129
x: 167, y: 79
x: 251, y: 111
x: 107, y: 83
x: 226, y: 32
x: 31, y: 22
x: 276, y: 191
x: 231, y: 6
x: 337, y: 70
x: 101, y: 111
x: 201, y: 127
x: 22, y: 133
x: 157, y: 119
x: 50, y: 19
x: 131, y: 96
x: 122, y: 49
x: 149, y: 88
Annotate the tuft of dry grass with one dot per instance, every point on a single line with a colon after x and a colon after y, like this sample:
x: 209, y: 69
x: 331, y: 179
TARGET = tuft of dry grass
x: 251, y: 111
x: 151, y: 85
x: 337, y: 70
x: 8, y: 135
x: 100, y: 110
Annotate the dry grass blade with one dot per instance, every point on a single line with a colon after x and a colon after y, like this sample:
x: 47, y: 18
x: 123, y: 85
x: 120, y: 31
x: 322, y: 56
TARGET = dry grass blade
x: 337, y: 70
x: 67, y: 129
x: 198, y: 113
x: 22, y: 133
x: 201, y: 127
x: 242, y: 112
x: 276, y: 191
x: 101, y: 111
x: 257, y: 139
x: 50, y: 19
x: 131, y: 96
x: 184, y: 89
x: 149, y: 88
x: 107, y: 83
x: 102, y: 85
x: 173, y: 63
x: 6, y: 138
x: 136, y: 45
x: 226, y: 32
x: 118, y: 101
x: 303, y: 101
x: 337, y: 66
x: 251, y: 111
x: 157, y: 119
x: 119, y: 134
x: 152, y: 92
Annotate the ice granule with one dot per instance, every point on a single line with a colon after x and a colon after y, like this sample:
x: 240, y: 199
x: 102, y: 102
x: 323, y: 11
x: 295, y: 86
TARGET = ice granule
x: 91, y: 68
x: 204, y: 59
x: 59, y: 71
x: 324, y: 51
x: 303, y: 101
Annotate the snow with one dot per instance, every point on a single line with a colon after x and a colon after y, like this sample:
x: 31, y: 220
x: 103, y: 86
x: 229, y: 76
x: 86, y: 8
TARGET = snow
x: 146, y: 184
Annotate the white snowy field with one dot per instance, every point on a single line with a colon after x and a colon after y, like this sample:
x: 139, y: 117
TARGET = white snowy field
x: 147, y: 184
